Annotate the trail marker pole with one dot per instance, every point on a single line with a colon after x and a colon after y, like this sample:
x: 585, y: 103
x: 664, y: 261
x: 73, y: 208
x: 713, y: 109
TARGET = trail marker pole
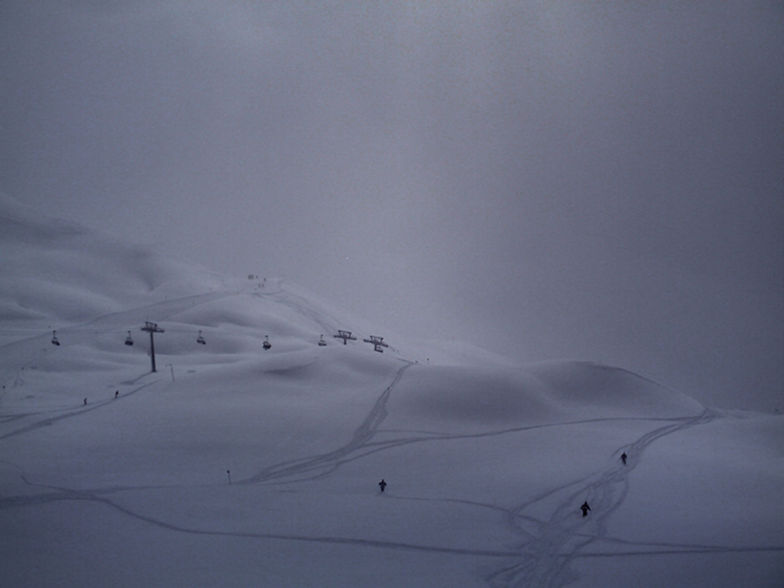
x: 152, y: 328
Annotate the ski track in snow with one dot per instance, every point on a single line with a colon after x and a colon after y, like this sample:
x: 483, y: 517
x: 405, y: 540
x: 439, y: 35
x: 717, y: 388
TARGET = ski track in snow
x: 294, y: 468
x: 47, y: 422
x: 331, y: 460
x: 560, y: 539
x: 545, y: 554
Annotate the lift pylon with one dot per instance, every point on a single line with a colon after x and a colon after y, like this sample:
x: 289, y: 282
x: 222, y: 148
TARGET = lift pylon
x: 377, y: 342
x: 152, y: 328
x: 345, y: 335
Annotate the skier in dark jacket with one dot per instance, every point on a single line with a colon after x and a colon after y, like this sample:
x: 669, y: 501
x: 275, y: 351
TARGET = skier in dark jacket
x: 382, y: 484
x: 623, y: 457
x: 585, y: 508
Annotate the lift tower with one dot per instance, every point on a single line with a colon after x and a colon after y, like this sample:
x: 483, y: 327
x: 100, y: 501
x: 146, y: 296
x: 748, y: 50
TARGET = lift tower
x: 152, y: 328
x: 377, y: 343
x: 345, y: 335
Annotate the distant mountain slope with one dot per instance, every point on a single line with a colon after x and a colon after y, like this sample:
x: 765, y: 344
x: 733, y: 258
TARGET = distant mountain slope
x: 457, y: 397
x: 94, y: 289
x: 56, y: 271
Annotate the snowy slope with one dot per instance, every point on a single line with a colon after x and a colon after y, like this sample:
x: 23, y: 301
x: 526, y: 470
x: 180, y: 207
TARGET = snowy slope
x: 236, y: 466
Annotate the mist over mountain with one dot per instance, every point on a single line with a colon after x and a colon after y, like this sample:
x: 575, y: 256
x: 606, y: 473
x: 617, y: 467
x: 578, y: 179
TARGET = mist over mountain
x: 551, y: 181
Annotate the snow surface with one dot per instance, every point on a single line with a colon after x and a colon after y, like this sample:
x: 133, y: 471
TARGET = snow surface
x: 235, y: 466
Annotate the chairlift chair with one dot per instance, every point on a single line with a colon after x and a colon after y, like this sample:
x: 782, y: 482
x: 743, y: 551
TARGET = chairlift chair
x: 200, y: 339
x: 55, y: 340
x: 129, y: 339
x: 266, y: 345
x: 321, y: 342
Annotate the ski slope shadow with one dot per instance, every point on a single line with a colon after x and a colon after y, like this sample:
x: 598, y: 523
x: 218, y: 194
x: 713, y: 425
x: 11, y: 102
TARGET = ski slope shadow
x: 559, y: 540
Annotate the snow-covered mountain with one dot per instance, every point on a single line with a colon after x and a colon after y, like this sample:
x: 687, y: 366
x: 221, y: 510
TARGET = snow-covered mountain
x: 233, y: 465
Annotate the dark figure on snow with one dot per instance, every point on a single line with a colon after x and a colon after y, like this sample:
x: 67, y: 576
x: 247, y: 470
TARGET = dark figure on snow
x: 623, y: 458
x: 585, y: 508
x: 116, y: 393
x: 85, y: 402
x: 382, y: 484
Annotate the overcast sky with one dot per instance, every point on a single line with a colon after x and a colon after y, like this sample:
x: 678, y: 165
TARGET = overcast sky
x: 589, y: 180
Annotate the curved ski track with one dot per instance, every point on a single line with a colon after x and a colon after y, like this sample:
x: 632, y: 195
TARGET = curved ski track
x: 327, y: 462
x: 560, y: 539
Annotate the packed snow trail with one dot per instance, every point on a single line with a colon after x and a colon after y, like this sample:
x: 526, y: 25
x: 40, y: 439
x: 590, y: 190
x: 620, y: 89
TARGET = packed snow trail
x: 546, y: 557
x: 327, y: 462
x: 82, y: 410
x: 66, y: 494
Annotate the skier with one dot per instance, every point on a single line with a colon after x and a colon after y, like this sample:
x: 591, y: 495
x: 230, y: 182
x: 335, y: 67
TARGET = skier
x: 382, y: 484
x: 585, y: 508
x: 85, y: 402
x: 623, y: 458
x: 116, y: 394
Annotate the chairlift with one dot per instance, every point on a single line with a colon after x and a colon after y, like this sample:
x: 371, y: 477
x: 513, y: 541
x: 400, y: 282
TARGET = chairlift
x: 55, y: 340
x: 321, y: 342
x: 200, y: 339
x: 266, y: 345
x: 129, y: 339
